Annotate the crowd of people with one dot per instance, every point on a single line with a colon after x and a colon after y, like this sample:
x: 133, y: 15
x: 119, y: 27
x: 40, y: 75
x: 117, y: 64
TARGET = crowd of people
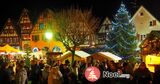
x: 39, y: 71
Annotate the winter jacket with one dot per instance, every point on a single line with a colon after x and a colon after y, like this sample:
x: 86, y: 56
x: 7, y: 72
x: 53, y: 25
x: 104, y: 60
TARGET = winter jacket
x: 21, y: 76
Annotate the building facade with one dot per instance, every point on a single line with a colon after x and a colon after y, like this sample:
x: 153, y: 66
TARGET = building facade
x: 101, y: 35
x: 45, y: 23
x: 9, y: 35
x: 144, y: 22
x: 33, y: 36
x: 25, y: 26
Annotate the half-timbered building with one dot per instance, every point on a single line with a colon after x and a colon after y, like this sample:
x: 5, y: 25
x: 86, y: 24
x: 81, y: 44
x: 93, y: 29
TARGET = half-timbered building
x: 9, y: 35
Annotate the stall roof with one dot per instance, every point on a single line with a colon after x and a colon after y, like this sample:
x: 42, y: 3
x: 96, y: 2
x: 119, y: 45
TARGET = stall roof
x: 78, y: 53
x: 110, y: 55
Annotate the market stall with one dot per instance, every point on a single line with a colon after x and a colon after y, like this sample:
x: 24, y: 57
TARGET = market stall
x: 103, y: 56
x: 79, y: 56
x: 8, y: 49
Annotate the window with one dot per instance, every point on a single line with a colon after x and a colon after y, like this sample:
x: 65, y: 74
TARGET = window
x: 28, y: 21
x: 41, y: 26
x: 138, y: 37
x: 1, y: 40
x: 35, y: 37
x: 107, y: 33
x: 24, y: 27
x: 14, y: 40
x: 11, y: 31
x: 143, y: 37
x: 21, y: 21
x: 7, y: 40
x: 26, y: 36
x: 141, y: 14
x: 10, y: 40
x: 44, y: 38
x: 7, y: 27
x: 152, y: 23
x: 11, y: 27
x: 25, y: 21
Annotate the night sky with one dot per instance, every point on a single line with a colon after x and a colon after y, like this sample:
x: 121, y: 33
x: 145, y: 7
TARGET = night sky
x: 101, y: 8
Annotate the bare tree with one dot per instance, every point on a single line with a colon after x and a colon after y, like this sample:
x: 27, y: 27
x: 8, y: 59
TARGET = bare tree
x: 75, y: 28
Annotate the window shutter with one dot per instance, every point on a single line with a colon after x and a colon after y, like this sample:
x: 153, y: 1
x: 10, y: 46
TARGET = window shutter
x: 154, y: 22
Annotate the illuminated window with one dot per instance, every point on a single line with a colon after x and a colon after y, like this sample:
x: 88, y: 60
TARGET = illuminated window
x: 24, y: 27
x: 25, y: 36
x: 6, y: 27
x: 11, y: 31
x: 21, y: 21
x: 11, y: 27
x: 7, y: 40
x: 10, y: 40
x: 1, y: 40
x: 44, y: 38
x: 14, y: 40
x: 28, y: 21
x: 41, y: 26
x: 35, y: 37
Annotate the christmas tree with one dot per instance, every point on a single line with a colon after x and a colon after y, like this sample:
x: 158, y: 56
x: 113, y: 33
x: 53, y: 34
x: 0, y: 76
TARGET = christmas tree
x: 122, y: 38
x: 92, y: 75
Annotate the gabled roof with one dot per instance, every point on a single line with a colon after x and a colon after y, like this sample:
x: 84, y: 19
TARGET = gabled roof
x: 9, y: 22
x: 23, y: 13
x: 105, y: 22
x: 143, y: 8
x: 45, y: 15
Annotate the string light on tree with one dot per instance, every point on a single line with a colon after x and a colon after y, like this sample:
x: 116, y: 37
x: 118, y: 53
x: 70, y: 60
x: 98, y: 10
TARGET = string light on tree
x: 122, y: 38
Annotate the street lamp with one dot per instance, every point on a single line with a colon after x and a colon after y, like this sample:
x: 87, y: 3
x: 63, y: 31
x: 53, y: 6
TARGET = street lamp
x: 49, y: 36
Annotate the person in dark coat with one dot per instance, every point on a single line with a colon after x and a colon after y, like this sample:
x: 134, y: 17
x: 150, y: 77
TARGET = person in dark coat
x: 5, y: 74
x: 156, y: 75
x: 45, y: 73
x: 142, y: 75
x: 65, y: 72
x: 35, y: 73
